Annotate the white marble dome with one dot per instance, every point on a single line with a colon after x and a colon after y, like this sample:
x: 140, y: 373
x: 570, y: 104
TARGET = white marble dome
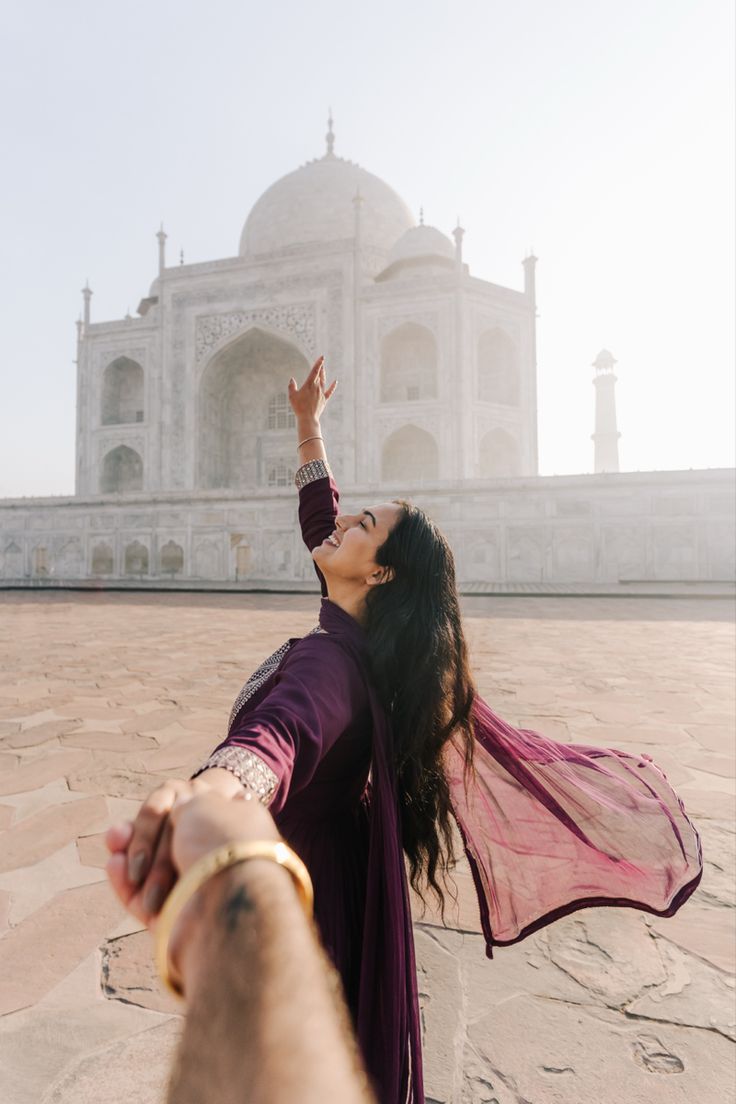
x: 422, y: 241
x: 314, y: 204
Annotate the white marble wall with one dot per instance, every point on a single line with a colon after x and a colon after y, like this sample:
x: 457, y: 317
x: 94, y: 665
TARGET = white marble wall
x: 669, y: 526
x: 311, y: 302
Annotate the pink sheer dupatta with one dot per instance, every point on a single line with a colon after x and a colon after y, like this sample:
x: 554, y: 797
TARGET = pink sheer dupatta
x: 550, y: 828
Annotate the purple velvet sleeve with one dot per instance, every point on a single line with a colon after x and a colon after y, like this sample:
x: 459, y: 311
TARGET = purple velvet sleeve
x: 317, y: 693
x: 318, y: 508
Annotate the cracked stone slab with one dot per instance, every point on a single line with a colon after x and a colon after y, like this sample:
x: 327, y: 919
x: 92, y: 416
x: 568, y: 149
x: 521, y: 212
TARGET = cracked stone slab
x: 441, y: 1008
x: 42, y: 834
x: 32, y: 774
x: 38, y: 1046
x: 92, y: 850
x: 55, y: 938
x: 106, y: 1075
x: 128, y: 973
x: 708, y: 933
x: 32, y: 886
x: 532, y: 1049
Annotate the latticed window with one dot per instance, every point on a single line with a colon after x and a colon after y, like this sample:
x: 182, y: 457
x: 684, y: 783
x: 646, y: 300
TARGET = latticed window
x: 280, y: 414
x: 280, y: 474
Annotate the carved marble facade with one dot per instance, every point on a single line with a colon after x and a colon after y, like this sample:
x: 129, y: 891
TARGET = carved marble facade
x: 185, y: 449
x: 668, y: 526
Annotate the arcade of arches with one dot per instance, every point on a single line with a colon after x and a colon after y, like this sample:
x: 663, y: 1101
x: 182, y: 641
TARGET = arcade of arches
x: 245, y: 426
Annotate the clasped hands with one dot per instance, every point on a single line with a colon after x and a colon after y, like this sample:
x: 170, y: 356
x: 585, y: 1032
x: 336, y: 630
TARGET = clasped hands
x: 178, y: 823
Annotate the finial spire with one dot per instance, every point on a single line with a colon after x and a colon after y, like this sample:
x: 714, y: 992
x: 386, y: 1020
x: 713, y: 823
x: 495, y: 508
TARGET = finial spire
x: 330, y: 136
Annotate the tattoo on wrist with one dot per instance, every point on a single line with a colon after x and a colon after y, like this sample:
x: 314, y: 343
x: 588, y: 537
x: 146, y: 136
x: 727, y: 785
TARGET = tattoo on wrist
x: 237, y: 903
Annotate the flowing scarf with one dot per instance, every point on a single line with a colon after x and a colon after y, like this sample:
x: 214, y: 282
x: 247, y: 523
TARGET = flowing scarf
x: 549, y: 828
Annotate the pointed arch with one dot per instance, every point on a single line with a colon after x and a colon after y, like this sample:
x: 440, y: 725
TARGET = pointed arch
x: 136, y: 559
x: 498, y: 368
x: 171, y: 559
x: 408, y: 364
x: 122, y: 392
x: 410, y: 454
x: 242, y: 404
x: 498, y: 455
x: 102, y: 559
x: 122, y: 471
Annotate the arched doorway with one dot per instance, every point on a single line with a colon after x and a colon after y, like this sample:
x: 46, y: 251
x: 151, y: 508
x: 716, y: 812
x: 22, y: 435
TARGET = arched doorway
x: 408, y: 364
x: 498, y: 455
x: 244, y: 426
x: 410, y: 454
x: 122, y: 392
x: 122, y: 471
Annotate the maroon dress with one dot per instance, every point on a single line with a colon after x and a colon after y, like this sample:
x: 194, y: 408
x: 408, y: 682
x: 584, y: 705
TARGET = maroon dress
x: 547, y: 827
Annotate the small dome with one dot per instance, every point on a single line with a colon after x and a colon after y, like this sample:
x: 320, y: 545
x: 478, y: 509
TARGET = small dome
x: 422, y: 241
x: 315, y: 204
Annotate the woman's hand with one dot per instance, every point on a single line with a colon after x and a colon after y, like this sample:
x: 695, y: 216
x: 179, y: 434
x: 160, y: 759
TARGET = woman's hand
x: 309, y: 400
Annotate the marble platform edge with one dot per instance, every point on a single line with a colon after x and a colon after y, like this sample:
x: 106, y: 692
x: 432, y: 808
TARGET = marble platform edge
x: 624, y: 589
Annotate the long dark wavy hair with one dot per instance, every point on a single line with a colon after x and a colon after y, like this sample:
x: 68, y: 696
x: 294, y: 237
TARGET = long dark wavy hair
x: 418, y: 661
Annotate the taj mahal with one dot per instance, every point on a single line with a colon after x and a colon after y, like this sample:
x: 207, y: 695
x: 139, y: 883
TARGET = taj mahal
x: 185, y: 441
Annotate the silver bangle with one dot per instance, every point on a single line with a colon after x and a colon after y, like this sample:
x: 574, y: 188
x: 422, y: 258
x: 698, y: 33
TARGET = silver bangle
x: 311, y: 471
x: 315, y: 438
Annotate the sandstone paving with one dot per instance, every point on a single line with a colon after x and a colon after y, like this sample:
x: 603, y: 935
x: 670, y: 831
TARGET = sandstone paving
x: 105, y: 694
x: 42, y: 834
x: 31, y: 887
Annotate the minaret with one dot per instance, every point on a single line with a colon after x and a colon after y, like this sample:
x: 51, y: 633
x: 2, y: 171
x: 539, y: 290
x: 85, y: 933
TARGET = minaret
x: 530, y: 291
x: 457, y: 234
x: 161, y: 250
x: 87, y: 294
x: 606, y: 435
x: 530, y: 280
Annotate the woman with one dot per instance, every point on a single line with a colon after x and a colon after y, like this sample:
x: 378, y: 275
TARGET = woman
x: 366, y: 739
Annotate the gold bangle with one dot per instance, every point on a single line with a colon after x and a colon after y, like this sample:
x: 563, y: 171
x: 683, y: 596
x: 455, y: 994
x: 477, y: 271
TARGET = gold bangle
x: 317, y: 437
x: 204, y: 868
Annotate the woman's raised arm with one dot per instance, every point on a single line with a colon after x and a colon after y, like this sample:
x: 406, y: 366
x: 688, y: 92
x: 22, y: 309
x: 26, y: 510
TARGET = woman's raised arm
x: 318, y: 493
x: 308, y: 402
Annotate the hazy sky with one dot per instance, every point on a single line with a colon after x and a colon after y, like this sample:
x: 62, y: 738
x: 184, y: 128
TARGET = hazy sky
x: 599, y: 132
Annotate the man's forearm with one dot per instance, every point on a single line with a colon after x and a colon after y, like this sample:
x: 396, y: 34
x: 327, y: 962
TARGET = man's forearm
x: 266, y: 1021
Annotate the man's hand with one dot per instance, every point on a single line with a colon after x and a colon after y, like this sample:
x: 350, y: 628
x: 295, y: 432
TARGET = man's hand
x: 198, y: 821
x: 143, y: 872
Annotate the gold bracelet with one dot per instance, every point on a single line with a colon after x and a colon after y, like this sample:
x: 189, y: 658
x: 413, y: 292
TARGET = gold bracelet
x: 317, y: 437
x: 204, y: 868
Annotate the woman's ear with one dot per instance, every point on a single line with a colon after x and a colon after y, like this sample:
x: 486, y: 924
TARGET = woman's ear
x: 380, y: 575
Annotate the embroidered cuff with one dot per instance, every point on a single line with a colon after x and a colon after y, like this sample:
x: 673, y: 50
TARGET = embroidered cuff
x: 247, y: 767
x: 311, y: 471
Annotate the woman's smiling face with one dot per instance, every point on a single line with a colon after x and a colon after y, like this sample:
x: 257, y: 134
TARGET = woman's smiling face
x: 350, y: 554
